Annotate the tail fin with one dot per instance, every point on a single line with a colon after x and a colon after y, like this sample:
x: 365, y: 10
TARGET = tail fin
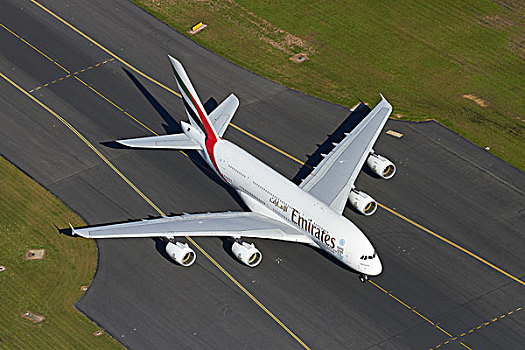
x: 196, y: 112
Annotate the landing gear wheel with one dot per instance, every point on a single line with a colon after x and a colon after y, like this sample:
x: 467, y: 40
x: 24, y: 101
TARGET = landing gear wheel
x: 363, y: 278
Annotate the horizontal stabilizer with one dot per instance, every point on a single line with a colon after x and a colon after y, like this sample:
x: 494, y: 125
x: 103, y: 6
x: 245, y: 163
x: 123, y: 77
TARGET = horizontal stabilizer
x: 174, y: 141
x: 223, y: 114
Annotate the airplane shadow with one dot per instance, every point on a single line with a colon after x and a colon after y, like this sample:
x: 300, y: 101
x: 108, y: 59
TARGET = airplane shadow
x: 205, y: 168
x: 334, y: 260
x: 355, y: 117
x: 160, y: 246
x: 64, y: 231
x: 227, y: 243
x: 113, y: 144
x: 171, y: 126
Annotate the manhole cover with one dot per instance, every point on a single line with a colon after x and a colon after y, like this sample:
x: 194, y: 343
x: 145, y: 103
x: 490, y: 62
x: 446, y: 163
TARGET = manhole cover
x: 298, y: 58
x: 35, y: 254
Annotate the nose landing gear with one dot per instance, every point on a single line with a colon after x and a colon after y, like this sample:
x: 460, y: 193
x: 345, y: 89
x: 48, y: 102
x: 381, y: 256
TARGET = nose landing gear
x: 363, y: 278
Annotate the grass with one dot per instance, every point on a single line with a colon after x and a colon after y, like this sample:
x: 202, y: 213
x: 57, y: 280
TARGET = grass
x: 423, y: 55
x: 50, y: 286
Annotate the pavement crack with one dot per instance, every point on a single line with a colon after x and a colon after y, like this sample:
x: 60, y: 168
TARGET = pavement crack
x: 246, y: 104
x: 108, y: 198
x: 81, y: 171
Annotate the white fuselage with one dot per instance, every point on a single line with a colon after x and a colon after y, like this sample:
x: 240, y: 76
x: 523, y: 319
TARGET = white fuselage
x: 269, y: 193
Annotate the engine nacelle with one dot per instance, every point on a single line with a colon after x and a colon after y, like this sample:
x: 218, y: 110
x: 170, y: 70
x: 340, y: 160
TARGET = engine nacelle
x: 362, y: 202
x: 381, y: 166
x: 247, y: 253
x: 181, y: 253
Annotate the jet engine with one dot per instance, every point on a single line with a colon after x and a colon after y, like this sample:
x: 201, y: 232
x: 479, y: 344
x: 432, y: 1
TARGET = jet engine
x: 362, y: 202
x: 181, y: 253
x: 247, y: 253
x: 381, y: 166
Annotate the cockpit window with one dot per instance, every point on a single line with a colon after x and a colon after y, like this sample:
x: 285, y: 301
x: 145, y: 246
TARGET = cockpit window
x: 365, y: 257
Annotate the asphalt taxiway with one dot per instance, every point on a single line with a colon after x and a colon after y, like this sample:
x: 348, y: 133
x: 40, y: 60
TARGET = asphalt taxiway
x: 453, y: 261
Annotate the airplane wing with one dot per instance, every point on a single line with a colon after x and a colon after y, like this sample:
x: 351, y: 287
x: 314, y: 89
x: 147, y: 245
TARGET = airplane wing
x: 333, y: 179
x: 221, y: 116
x: 227, y: 224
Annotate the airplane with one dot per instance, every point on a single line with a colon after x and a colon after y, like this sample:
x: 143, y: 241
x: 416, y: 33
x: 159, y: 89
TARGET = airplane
x: 308, y: 213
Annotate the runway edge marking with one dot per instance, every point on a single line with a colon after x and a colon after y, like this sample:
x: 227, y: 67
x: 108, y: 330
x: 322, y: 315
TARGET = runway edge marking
x: 100, y: 46
x: 139, y: 192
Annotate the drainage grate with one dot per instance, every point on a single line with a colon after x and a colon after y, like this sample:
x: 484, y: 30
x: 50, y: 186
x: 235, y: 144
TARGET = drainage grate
x: 35, y: 254
x: 33, y: 317
x: 298, y: 58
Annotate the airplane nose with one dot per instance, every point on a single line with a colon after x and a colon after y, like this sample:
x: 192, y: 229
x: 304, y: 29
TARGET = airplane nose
x: 376, y: 268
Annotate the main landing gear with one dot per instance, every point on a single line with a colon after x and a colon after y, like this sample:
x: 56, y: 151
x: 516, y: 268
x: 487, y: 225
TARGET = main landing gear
x: 363, y: 278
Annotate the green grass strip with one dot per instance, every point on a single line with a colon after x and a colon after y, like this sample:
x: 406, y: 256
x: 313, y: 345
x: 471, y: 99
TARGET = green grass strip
x: 50, y: 287
x: 459, y: 63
